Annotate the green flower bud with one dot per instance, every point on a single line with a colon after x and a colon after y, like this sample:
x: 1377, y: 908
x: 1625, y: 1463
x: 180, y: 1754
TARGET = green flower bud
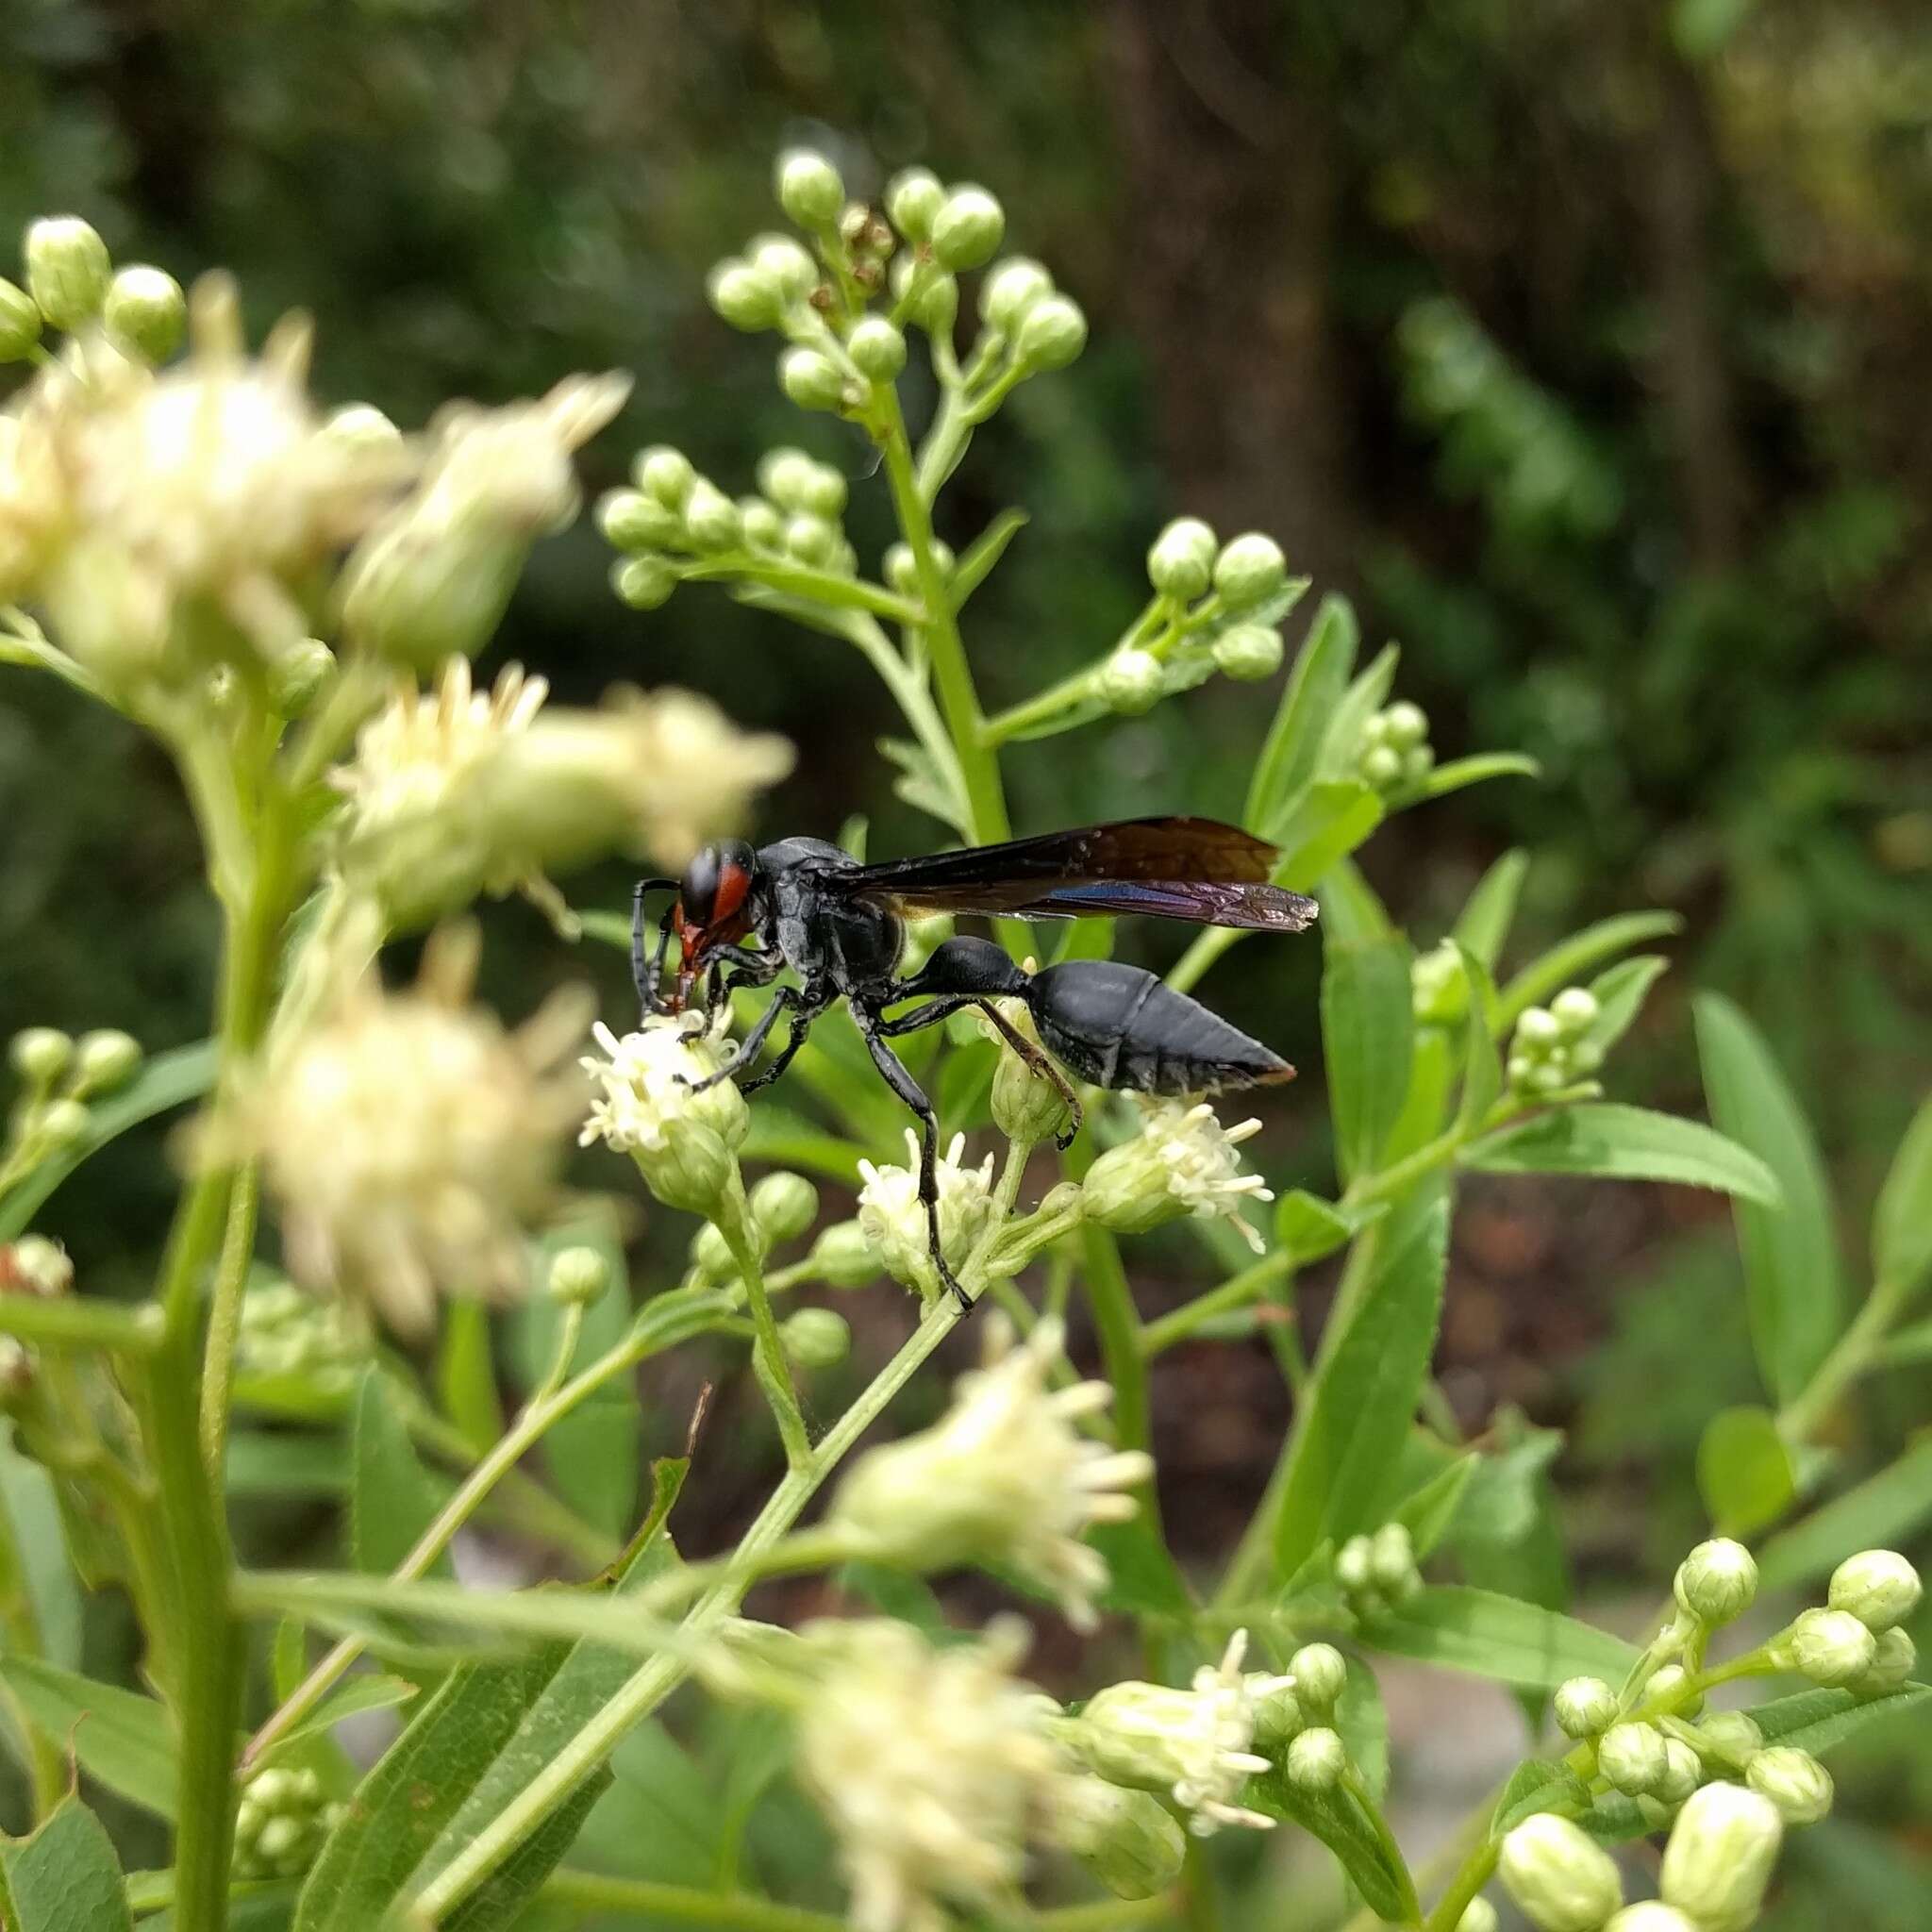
x: 1249, y: 569
x: 784, y: 1206
x: 1392, y: 1561
x: 1439, y: 986
x: 1278, y: 1720
x: 40, y: 1055
x: 1026, y: 1106
x: 785, y: 264
x: 1632, y: 1756
x: 1561, y: 1878
x: 1405, y: 725
x: 1132, y: 682
x: 20, y: 323
x: 967, y: 230
x: 104, y: 1060
x: 644, y: 582
x: 300, y: 675
x: 1011, y: 290
x: 843, y: 1257
x: 819, y: 491
x: 1831, y: 1647
x: 692, y: 1170
x: 1479, y: 1915
x: 816, y: 1338
x: 632, y: 520
x: 1719, y: 1856
x: 786, y: 477
x: 578, y: 1277
x: 744, y: 295
x: 1892, y: 1665
x: 1586, y: 1057
x: 711, y: 1258
x: 762, y: 526
x: 711, y: 520
x: 65, y: 1123
x: 1877, y: 1587
x: 36, y: 1265
x: 1575, y: 1009
x: 1729, y: 1737
x: 1719, y: 1578
x: 1537, y: 1030
x: 1248, y: 652
x: 1382, y: 768
x: 1316, y: 1761
x: 1180, y: 563
x: 810, y: 379
x: 1318, y: 1672
x: 809, y: 188
x: 664, y: 474
x: 1683, y: 1773
x: 1661, y: 1692
x: 1353, y: 1567
x: 935, y: 306
x: 1127, y: 1840
x: 1583, y: 1706
x: 877, y: 347
x: 67, y: 270
x: 913, y: 198
x: 1417, y: 764
x: 812, y: 539
x: 1794, y: 1781
x: 1650, y: 1915
x: 1052, y: 335
x: 146, y: 312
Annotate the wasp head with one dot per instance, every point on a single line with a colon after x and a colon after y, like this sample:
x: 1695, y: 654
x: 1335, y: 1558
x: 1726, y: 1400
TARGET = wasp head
x: 713, y: 908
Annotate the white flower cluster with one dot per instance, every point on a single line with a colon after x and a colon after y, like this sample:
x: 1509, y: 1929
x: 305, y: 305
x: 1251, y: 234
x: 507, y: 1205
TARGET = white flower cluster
x: 1183, y: 1161
x: 893, y: 1217
x: 647, y: 1105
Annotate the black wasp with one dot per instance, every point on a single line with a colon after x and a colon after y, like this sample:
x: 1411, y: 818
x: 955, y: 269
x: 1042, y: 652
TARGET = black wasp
x: 840, y: 926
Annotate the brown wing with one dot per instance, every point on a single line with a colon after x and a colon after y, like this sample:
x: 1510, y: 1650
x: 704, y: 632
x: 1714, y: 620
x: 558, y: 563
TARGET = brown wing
x: 1171, y: 867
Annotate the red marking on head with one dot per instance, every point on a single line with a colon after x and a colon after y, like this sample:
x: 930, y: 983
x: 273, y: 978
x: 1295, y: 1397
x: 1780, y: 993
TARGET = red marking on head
x: 729, y: 922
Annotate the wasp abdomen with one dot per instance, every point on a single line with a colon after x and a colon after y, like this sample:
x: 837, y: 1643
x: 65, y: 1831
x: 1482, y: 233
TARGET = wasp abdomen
x: 1121, y: 1027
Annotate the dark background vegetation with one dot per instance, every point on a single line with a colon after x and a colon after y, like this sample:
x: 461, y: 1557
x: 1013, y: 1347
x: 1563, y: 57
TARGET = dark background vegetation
x: 1585, y: 343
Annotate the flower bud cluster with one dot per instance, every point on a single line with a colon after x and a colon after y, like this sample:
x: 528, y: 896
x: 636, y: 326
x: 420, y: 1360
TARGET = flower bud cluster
x: 1551, y: 1048
x: 58, y: 1077
x: 286, y: 1332
x: 893, y: 1220
x: 673, y: 520
x: 1183, y: 1161
x: 280, y: 1824
x: 1028, y: 326
x: 1377, y: 1573
x: 1395, y: 756
x: 72, y: 285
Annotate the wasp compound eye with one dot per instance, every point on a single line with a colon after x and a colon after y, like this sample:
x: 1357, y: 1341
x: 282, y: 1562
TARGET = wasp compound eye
x: 697, y: 892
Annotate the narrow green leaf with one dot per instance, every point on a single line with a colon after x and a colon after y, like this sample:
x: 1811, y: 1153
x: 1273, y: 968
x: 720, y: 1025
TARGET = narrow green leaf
x: 121, y: 1739
x: 1744, y: 1470
x: 1792, y: 1283
x: 1879, y: 1513
x: 1310, y: 1228
x: 1355, y: 1416
x: 1341, y: 743
x: 1427, y: 1512
x: 977, y: 560
x: 1482, y: 1061
x: 1911, y: 1346
x: 1320, y: 827
x: 1434, y: 1072
x: 1294, y: 740
x: 1498, y: 1637
x: 393, y: 1498
x: 466, y: 1375
x: 46, y: 1582
x: 1367, y: 1031
x: 1631, y: 1144
x: 64, y: 1878
x: 1362, y: 1720
x: 1536, y: 1785
x: 1365, y: 1853
x: 1482, y: 928
x: 1567, y: 961
x: 1620, y: 994
x: 1817, y: 1721
x: 367, y: 1690
x: 1352, y: 912
x: 1902, y: 1221
x: 1460, y: 772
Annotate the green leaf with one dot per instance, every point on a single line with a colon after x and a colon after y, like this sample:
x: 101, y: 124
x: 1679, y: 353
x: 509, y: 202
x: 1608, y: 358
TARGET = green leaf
x: 791, y: 1139
x: 167, y: 1081
x: 1368, y: 1032
x: 393, y: 1498
x: 1744, y: 1470
x: 1427, y: 1512
x: 1341, y: 743
x: 1310, y: 1228
x: 1320, y: 827
x: 1362, y: 1720
x: 367, y: 1690
x: 1354, y: 1417
x: 1565, y: 962
x: 1631, y: 1144
x: 1792, y: 1283
x: 472, y: 1747
x: 979, y: 557
x: 64, y: 1878
x: 1818, y: 1721
x: 1460, y: 772
x: 1536, y: 1785
x: 1700, y: 28
x: 46, y: 1585
x: 1498, y: 1637
x: 121, y: 1739
x: 1902, y: 1221
x: 1294, y: 740
x: 1879, y: 1513
x: 1362, y: 1850
x: 286, y: 1464
x: 1482, y: 928
x: 1620, y: 994
x: 1482, y: 1062
x: 595, y: 1453
x: 1911, y: 1346
x: 466, y: 1375
x: 1351, y: 910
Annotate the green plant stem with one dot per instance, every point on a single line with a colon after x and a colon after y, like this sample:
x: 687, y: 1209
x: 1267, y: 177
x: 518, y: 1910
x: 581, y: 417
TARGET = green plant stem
x: 1077, y: 686
x: 1238, y: 1293
x: 76, y: 1322
x: 1856, y: 1350
x: 1206, y: 948
x: 1475, y: 1875
x: 734, y: 1222
x: 958, y: 698
x: 46, y: 1763
x: 534, y: 1421
x: 224, y: 1318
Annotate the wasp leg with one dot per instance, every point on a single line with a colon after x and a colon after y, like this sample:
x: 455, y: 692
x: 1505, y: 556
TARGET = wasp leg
x: 646, y: 971
x: 803, y: 1013
x: 1037, y: 1062
x: 907, y: 1089
x: 748, y: 1048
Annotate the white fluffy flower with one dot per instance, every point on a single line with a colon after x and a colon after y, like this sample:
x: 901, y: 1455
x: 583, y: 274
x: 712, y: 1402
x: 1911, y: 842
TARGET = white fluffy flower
x: 411, y: 1140
x: 932, y: 1765
x: 1004, y: 1477
x: 647, y: 1105
x: 893, y: 1217
x: 1183, y: 1161
x: 1195, y: 1745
